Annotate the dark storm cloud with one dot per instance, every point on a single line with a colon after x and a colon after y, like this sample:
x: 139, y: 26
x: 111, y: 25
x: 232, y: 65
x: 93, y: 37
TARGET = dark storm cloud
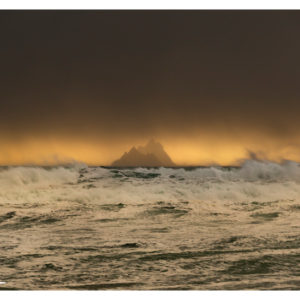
x: 135, y: 73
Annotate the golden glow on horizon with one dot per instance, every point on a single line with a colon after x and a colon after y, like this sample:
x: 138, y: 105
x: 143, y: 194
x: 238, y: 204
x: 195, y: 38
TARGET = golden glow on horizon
x: 204, y: 151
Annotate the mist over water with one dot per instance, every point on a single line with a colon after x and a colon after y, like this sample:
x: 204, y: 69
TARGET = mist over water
x: 82, y: 227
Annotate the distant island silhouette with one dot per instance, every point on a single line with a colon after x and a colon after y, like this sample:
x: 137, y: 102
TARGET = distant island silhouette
x: 150, y: 155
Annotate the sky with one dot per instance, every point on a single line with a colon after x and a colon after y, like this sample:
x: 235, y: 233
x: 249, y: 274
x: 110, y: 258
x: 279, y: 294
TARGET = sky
x: 214, y: 87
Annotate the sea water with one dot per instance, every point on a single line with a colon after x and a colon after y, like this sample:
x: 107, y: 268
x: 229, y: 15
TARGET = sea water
x: 212, y: 228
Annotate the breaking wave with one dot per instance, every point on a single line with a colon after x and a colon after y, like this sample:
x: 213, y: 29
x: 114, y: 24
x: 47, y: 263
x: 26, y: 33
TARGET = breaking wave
x: 36, y: 176
x: 150, y: 228
x: 254, y: 179
x: 251, y: 170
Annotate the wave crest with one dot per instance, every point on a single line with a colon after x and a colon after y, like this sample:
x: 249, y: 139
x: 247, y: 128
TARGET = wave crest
x: 37, y: 176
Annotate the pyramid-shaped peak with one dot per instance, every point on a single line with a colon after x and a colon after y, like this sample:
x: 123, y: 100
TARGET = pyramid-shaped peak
x: 133, y: 149
x: 156, y: 148
x: 152, y: 154
x: 151, y: 146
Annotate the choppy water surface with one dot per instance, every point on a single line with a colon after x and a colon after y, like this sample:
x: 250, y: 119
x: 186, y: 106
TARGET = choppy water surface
x: 201, y: 228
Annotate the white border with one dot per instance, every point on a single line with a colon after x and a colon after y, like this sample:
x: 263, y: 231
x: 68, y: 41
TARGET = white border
x: 154, y: 4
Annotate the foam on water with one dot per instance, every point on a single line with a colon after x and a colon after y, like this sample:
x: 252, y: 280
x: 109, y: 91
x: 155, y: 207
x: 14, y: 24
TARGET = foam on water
x: 35, y: 177
x: 85, y: 227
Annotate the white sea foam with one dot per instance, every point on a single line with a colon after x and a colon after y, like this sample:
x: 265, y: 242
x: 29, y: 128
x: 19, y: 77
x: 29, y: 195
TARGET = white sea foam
x: 254, y: 180
x: 36, y: 176
x: 86, y: 219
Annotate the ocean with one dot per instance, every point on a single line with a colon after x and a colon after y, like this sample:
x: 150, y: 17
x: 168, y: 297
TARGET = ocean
x: 202, y: 228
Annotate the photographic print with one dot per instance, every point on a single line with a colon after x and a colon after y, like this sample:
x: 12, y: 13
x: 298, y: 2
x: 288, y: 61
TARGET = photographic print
x: 149, y: 150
